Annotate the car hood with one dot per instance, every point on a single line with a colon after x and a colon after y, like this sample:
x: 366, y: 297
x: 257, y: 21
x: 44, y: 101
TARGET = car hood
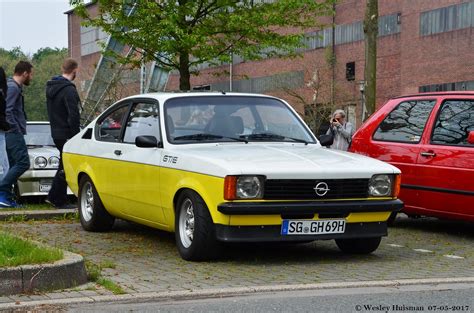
x: 45, y: 151
x: 277, y: 161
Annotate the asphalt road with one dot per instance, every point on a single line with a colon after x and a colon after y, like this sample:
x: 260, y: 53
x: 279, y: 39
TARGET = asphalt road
x: 415, y: 298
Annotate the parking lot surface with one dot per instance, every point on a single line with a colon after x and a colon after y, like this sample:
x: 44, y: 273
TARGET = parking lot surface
x: 141, y: 259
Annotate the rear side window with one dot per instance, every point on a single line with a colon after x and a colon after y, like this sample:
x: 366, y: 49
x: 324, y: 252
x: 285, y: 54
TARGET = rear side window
x: 110, y: 127
x: 406, y: 122
x: 454, y: 122
x: 143, y: 121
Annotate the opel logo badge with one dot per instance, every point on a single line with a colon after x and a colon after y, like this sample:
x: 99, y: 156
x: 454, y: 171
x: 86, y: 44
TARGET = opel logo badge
x: 321, y: 189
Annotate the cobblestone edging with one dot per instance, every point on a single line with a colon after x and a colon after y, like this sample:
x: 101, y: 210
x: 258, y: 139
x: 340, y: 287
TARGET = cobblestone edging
x: 35, y: 214
x: 65, y: 273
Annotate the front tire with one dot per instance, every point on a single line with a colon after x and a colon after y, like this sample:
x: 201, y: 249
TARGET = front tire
x: 194, y: 230
x: 358, y: 245
x: 93, y: 215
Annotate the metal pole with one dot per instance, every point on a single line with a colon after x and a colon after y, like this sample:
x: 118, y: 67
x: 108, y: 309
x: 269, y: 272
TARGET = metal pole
x: 231, y: 65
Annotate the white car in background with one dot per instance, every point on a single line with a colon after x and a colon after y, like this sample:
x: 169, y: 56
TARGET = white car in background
x: 44, y: 162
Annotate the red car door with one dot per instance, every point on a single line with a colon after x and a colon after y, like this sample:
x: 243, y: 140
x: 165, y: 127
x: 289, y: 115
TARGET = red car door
x: 393, y: 135
x: 445, y: 168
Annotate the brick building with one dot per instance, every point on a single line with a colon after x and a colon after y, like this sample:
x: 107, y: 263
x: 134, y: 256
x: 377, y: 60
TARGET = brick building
x: 423, y: 45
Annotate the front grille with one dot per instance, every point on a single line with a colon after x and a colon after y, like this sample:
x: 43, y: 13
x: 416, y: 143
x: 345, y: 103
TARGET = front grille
x: 303, y: 189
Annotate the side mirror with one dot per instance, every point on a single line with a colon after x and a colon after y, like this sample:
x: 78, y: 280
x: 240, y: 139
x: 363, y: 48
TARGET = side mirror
x: 470, y: 137
x: 146, y: 142
x: 326, y: 140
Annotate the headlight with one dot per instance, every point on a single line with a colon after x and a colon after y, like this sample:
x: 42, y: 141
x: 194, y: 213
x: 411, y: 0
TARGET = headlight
x: 243, y: 187
x: 53, y: 162
x: 381, y: 185
x: 40, y: 162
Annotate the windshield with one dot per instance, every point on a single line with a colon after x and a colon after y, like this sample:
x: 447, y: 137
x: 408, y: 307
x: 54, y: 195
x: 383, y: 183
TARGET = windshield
x: 38, y: 135
x: 232, y: 118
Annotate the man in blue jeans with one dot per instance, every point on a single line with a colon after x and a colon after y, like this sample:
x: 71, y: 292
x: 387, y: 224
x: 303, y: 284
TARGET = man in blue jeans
x: 15, y: 142
x: 3, y: 125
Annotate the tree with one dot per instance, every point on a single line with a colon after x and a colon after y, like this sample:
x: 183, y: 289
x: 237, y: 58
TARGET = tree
x: 47, y: 63
x: 182, y: 34
x: 371, y: 30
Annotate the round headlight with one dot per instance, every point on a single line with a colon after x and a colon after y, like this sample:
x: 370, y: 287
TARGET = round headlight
x: 40, y: 162
x: 249, y: 187
x: 54, y: 161
x: 380, y: 185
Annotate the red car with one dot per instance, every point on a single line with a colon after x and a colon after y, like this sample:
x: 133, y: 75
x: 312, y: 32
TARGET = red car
x: 430, y: 138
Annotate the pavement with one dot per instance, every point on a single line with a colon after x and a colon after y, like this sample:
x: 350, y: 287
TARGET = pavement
x: 144, y: 262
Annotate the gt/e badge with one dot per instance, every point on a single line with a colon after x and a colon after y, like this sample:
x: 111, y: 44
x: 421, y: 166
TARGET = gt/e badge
x: 170, y: 159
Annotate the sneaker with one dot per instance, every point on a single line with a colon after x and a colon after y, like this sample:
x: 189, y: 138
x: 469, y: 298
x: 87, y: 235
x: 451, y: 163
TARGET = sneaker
x: 7, y: 203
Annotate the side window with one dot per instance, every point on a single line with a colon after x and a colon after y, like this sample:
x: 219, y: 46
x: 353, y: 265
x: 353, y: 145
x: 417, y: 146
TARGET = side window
x: 111, y: 126
x: 143, y: 121
x: 455, y: 121
x: 405, y: 123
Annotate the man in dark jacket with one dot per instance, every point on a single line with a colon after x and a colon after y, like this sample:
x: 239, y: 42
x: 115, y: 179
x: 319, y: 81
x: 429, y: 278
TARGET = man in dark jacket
x: 15, y: 142
x: 63, y: 104
x: 3, y: 124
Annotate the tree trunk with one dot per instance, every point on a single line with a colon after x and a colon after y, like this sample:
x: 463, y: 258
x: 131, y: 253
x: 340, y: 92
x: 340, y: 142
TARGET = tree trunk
x: 184, y: 75
x: 371, y: 32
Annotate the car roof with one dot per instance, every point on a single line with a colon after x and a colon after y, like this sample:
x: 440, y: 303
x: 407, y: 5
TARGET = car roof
x: 437, y: 94
x: 163, y: 96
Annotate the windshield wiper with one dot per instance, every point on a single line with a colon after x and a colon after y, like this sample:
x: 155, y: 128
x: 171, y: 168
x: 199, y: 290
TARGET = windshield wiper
x: 205, y: 136
x: 33, y: 146
x: 271, y: 137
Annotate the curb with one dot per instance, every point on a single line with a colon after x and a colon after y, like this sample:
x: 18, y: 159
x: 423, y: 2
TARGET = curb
x: 35, y: 214
x: 66, y: 273
x: 229, y: 292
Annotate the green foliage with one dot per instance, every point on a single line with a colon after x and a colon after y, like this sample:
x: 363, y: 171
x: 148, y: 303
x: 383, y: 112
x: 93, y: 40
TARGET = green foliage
x: 94, y: 274
x: 47, y: 63
x: 183, y: 34
x: 15, y: 251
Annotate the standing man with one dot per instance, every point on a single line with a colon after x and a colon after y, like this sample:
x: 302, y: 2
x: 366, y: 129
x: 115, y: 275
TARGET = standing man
x: 15, y: 142
x: 63, y: 105
x: 3, y: 125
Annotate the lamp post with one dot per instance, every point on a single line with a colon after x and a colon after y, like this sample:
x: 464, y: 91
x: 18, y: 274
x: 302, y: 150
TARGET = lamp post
x: 362, y: 99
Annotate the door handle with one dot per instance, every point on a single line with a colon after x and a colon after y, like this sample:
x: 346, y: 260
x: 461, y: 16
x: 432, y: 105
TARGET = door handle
x: 118, y: 152
x: 428, y: 154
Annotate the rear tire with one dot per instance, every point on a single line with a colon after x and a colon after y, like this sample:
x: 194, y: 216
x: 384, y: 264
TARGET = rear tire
x: 194, y: 229
x: 358, y: 245
x: 93, y: 215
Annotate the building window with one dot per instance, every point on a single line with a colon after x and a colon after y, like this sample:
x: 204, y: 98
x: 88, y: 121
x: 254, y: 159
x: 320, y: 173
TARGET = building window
x: 90, y: 39
x: 457, y: 86
x: 388, y: 25
x: 290, y: 80
x: 446, y: 19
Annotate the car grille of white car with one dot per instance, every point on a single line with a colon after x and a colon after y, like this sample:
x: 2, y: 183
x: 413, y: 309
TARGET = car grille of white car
x: 305, y: 189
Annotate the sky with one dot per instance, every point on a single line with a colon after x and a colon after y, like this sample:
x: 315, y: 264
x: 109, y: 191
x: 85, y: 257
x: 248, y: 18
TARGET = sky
x: 33, y: 24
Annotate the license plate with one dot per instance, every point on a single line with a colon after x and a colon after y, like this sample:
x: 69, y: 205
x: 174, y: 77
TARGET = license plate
x: 45, y: 187
x: 307, y: 227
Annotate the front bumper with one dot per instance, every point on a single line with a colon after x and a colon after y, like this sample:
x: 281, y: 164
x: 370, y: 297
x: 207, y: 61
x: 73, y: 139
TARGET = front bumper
x: 33, y: 182
x: 363, y: 227
x: 292, y: 208
x: 273, y: 233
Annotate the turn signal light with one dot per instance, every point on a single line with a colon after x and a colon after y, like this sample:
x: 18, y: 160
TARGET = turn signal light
x: 230, y: 183
x: 396, y: 185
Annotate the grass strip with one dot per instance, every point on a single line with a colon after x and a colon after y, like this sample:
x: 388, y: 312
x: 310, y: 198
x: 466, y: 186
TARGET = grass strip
x: 15, y: 251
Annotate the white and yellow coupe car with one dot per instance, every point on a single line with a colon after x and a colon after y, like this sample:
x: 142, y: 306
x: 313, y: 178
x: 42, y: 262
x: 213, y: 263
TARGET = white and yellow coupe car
x: 217, y: 167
